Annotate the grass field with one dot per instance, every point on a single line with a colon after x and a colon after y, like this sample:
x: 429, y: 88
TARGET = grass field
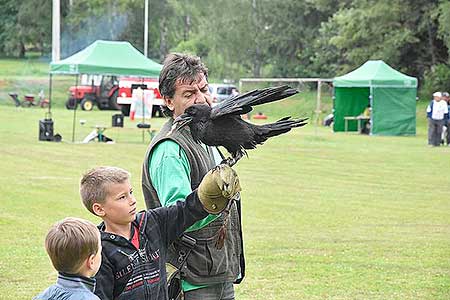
x: 325, y: 215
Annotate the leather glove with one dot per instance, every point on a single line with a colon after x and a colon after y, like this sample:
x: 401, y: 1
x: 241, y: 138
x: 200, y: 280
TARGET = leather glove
x: 217, y: 188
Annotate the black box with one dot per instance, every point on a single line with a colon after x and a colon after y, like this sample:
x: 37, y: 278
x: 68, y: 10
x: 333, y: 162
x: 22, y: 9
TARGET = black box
x: 117, y: 120
x: 46, y: 130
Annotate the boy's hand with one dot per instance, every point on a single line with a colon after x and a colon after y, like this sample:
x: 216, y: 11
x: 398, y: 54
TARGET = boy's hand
x: 217, y: 188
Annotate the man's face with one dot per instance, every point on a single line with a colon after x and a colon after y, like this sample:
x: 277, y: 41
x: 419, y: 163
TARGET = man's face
x: 189, y: 94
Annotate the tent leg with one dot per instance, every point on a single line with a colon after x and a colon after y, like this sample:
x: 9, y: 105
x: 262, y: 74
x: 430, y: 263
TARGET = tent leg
x: 319, y: 98
x: 75, y: 110
x: 371, y: 105
x: 50, y: 94
x: 317, y: 111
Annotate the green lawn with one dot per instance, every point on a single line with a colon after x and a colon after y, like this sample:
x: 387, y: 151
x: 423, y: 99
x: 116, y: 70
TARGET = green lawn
x: 325, y: 215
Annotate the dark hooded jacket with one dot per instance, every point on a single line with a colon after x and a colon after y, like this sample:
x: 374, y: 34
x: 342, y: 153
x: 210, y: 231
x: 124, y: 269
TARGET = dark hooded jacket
x: 130, y: 273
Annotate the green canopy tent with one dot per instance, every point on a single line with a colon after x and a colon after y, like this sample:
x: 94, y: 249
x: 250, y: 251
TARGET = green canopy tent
x: 108, y: 58
x: 105, y: 58
x: 391, y: 95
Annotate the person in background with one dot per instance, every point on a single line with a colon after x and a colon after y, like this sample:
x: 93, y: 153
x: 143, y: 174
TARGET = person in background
x: 437, y: 115
x: 446, y: 97
x: 367, y: 111
x: 365, y: 128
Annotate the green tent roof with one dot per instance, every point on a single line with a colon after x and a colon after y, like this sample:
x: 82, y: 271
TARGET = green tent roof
x: 108, y: 58
x: 375, y: 73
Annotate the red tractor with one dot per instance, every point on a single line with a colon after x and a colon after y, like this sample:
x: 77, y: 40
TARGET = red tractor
x: 100, y: 90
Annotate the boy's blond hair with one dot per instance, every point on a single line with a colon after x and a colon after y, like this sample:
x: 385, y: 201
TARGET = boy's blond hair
x: 70, y: 242
x: 94, y: 184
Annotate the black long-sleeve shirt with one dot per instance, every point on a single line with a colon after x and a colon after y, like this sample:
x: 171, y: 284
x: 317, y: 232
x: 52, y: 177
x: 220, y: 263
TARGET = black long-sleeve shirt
x: 140, y: 274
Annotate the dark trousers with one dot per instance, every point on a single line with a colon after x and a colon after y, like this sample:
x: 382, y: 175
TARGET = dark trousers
x: 447, y: 136
x: 221, y: 291
x: 435, y: 132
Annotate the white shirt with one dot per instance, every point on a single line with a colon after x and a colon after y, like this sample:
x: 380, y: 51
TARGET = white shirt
x: 440, y: 108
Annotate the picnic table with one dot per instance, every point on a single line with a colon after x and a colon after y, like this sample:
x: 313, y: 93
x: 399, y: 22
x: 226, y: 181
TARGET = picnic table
x: 358, y: 119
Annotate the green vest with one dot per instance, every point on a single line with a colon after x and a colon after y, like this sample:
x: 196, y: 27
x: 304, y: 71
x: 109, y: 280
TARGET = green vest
x: 205, y: 264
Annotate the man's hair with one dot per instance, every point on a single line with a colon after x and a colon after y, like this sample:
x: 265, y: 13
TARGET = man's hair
x: 179, y: 67
x: 70, y: 242
x: 94, y: 184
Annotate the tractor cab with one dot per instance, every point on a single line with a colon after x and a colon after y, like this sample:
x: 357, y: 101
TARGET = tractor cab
x: 100, y: 90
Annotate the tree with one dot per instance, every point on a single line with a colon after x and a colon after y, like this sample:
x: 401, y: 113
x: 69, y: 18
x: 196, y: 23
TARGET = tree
x: 34, y: 24
x: 402, y: 33
x: 443, y: 12
x: 9, y: 39
x: 24, y: 25
x: 241, y: 38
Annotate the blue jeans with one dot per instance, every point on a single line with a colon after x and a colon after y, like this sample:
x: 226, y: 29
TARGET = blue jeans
x: 221, y: 291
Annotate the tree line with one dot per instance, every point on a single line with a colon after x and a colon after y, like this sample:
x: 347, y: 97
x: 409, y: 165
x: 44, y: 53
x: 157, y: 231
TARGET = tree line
x: 250, y: 38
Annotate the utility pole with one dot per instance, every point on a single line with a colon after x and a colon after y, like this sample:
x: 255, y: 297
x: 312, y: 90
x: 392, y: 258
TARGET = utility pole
x: 55, y: 31
x: 146, y: 28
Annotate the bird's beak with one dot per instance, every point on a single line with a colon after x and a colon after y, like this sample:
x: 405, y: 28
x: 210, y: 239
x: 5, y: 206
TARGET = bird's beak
x: 182, y: 121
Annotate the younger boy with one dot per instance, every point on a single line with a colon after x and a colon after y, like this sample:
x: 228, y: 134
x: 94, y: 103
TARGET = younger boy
x: 74, y: 248
x: 135, y: 244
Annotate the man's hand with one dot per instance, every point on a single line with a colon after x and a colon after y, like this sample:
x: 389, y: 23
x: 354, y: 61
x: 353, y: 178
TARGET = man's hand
x: 217, y: 188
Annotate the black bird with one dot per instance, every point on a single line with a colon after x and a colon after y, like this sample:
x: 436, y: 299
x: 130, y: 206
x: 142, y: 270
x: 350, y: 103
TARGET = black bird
x: 222, y: 124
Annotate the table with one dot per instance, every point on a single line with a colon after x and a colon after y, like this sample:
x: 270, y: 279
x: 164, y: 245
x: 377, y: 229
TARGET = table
x: 358, y: 119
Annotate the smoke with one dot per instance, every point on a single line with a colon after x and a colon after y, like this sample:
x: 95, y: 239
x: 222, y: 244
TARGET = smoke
x: 75, y: 37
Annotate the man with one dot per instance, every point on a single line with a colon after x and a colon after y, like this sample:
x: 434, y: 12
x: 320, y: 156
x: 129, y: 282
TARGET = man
x: 437, y: 114
x: 174, y: 166
x: 446, y: 97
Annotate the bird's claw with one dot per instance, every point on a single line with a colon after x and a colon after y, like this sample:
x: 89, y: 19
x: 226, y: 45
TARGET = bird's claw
x: 228, y: 161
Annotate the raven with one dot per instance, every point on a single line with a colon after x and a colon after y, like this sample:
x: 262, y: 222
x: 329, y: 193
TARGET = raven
x: 222, y: 124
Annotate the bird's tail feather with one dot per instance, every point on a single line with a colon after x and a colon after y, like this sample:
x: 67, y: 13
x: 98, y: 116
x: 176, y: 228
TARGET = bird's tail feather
x: 282, y: 126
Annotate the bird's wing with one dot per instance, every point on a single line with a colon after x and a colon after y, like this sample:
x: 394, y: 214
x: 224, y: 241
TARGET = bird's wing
x: 242, y: 104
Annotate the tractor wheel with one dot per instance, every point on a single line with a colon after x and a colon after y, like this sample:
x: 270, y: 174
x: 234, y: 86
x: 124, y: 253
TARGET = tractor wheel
x: 87, y: 104
x: 71, y: 103
x: 113, y: 101
x: 103, y: 104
